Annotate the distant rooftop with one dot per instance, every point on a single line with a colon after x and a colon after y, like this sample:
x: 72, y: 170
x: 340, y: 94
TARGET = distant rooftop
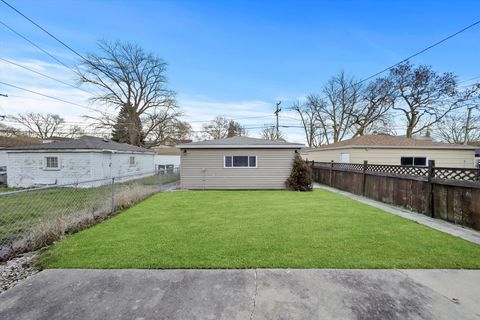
x: 166, y: 150
x: 240, y: 142
x: 6, y: 142
x: 83, y: 143
x: 385, y: 141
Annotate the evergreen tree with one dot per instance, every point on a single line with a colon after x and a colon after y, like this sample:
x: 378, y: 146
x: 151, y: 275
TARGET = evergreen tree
x: 234, y: 129
x: 128, y: 127
x: 301, y: 177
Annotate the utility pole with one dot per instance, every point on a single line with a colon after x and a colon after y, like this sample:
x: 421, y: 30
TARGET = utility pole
x: 467, y: 125
x: 277, y: 111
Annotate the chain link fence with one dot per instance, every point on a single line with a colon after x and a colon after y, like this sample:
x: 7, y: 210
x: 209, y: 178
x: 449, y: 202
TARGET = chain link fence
x: 32, y: 218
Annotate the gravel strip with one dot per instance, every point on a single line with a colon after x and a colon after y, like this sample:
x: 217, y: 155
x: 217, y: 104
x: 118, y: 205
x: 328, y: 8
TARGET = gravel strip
x: 16, y: 270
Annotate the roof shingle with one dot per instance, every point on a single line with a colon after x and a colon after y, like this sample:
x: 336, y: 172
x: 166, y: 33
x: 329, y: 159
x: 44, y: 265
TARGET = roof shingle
x: 390, y: 141
x: 84, y: 142
x: 240, y: 142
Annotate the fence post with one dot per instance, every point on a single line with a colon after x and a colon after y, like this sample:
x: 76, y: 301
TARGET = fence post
x: 113, y: 195
x: 364, y: 170
x: 161, y: 184
x: 431, y: 175
x: 331, y: 173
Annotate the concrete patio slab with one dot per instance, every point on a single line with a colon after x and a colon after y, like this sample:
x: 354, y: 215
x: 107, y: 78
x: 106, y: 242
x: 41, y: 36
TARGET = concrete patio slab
x: 245, y: 294
x: 444, y: 226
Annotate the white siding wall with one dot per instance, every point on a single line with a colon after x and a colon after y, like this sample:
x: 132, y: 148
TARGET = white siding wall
x: 121, y: 165
x: 273, y: 168
x: 442, y: 157
x: 3, y: 158
x: 28, y: 169
x: 167, y: 159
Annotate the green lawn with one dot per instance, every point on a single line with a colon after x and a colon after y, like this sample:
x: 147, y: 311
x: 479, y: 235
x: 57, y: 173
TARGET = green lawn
x: 21, y: 212
x: 259, y: 229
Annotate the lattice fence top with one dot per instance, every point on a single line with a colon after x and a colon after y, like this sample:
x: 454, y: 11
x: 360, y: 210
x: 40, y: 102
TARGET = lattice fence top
x: 456, y: 174
x: 401, y: 170
x: 461, y: 174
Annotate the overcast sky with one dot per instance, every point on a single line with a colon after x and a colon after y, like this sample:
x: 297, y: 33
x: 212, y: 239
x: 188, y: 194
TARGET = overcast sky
x: 233, y: 58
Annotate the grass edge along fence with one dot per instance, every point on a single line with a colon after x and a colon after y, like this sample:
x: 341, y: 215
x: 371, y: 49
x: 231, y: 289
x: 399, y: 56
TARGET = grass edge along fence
x: 451, y: 194
x: 33, y: 218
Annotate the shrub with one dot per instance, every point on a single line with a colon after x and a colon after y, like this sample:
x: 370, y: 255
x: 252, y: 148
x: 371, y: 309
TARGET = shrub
x: 301, y: 177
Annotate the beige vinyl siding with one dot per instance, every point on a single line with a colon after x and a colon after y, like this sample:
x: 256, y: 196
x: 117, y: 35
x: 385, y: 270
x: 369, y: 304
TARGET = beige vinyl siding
x: 443, y: 157
x: 273, y: 168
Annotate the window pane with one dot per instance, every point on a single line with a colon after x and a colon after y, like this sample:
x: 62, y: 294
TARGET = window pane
x: 52, y: 162
x: 252, y: 161
x: 406, y: 161
x: 240, y: 161
x: 228, y: 161
x: 421, y: 162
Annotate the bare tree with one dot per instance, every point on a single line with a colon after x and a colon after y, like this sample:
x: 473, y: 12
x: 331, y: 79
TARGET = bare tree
x: 9, y: 131
x: 168, y: 129
x: 312, y: 127
x: 75, y: 132
x: 221, y: 127
x: 452, y: 127
x: 129, y: 78
x: 270, y: 133
x: 372, y: 112
x: 40, y: 125
x: 335, y: 112
x: 422, y: 96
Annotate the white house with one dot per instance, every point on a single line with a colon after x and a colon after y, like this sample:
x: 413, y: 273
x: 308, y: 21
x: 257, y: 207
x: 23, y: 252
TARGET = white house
x: 167, y: 158
x: 76, y: 160
x: 237, y: 163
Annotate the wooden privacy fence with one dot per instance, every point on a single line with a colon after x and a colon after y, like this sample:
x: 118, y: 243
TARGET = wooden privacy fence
x: 451, y: 194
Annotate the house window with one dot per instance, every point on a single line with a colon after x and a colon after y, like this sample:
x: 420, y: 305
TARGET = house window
x: 240, y: 162
x: 166, y: 168
x: 131, y: 161
x: 414, y: 161
x: 51, y: 163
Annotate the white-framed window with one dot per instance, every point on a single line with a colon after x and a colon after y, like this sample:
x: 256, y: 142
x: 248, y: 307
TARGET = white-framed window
x: 414, y: 161
x: 51, y: 163
x: 131, y: 161
x: 166, y: 168
x: 240, y: 161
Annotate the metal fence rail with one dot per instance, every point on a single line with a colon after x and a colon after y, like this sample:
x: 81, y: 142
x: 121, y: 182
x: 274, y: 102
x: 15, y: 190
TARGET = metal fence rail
x: 32, y: 218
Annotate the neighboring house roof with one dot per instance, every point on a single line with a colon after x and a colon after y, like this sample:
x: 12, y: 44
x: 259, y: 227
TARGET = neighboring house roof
x: 173, y: 142
x: 6, y: 142
x: 55, y: 138
x: 166, y: 150
x: 240, y: 142
x: 387, y: 141
x: 83, y: 143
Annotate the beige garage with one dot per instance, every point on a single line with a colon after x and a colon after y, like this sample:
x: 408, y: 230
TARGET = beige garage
x: 385, y: 149
x: 236, y: 163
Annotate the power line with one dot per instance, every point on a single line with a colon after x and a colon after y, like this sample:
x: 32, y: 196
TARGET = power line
x: 243, y: 118
x: 38, y: 47
x: 44, y: 30
x: 51, y: 97
x: 421, y: 51
x: 44, y: 75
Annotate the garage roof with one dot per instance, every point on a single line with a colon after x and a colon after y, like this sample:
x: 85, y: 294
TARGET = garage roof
x: 241, y: 142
